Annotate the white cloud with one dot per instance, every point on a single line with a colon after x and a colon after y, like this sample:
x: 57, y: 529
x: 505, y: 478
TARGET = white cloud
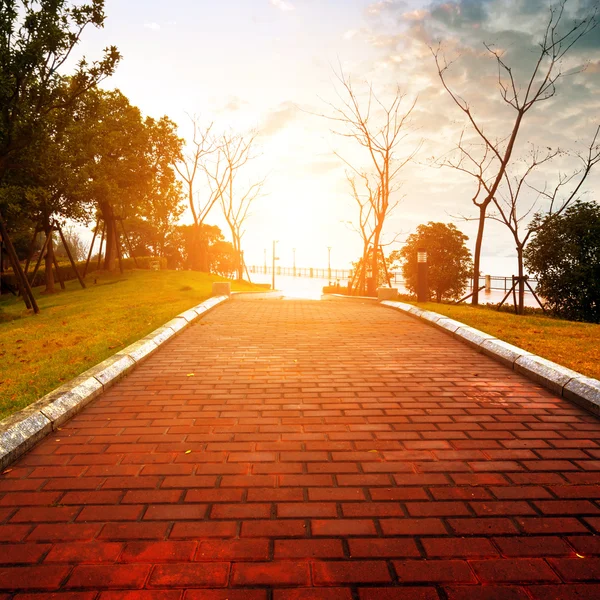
x: 282, y: 5
x: 152, y: 26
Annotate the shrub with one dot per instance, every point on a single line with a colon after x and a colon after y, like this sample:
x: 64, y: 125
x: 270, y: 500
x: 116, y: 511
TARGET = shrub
x: 448, y: 259
x: 564, y: 256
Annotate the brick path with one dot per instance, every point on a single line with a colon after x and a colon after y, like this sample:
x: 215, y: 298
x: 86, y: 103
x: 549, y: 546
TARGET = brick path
x: 287, y: 450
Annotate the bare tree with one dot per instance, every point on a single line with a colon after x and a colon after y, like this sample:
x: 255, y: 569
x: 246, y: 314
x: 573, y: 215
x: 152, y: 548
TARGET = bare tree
x: 379, y: 129
x: 546, y: 201
x: 539, y: 86
x: 202, y: 146
x: 235, y: 151
x: 366, y: 204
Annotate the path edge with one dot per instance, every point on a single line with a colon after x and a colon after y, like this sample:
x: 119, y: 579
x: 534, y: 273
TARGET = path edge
x: 22, y: 430
x: 569, y: 384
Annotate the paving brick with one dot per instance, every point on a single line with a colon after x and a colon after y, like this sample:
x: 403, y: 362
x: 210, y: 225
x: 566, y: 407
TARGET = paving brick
x: 565, y: 592
x: 277, y: 574
x: 84, y: 552
x: 413, y: 527
x: 184, y: 575
x: 133, y: 531
x: 283, y: 528
x: 402, y: 593
x: 430, y: 571
x: 381, y: 548
x: 108, y: 576
x: 532, y: 546
x: 514, y: 570
x: 139, y: 595
x: 345, y: 527
x: 39, y: 577
x: 337, y: 572
x: 14, y: 554
x: 487, y: 592
x: 157, y: 552
x: 577, y: 569
x: 233, y: 550
x: 458, y: 547
x: 210, y: 529
x: 313, y: 594
x: 229, y: 594
x: 316, y: 548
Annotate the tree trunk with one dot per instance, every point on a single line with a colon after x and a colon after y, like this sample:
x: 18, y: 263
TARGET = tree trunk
x: 203, y: 254
x: 363, y: 270
x: 237, y: 244
x: 375, y: 260
x: 195, y: 249
x: 110, y: 252
x: 49, y: 259
x: 521, y: 306
x: 477, y: 257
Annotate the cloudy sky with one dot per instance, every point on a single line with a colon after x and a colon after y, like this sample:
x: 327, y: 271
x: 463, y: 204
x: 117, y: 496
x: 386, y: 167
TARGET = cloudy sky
x: 269, y: 64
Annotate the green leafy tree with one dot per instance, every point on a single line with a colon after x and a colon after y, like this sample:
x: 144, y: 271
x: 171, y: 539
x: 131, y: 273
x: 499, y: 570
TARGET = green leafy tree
x: 36, y: 40
x: 182, y: 245
x: 564, y: 256
x: 448, y: 258
x: 129, y: 172
x: 51, y: 180
x: 162, y: 205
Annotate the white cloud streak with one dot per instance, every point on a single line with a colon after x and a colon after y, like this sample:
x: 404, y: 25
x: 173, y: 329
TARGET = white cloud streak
x: 283, y: 5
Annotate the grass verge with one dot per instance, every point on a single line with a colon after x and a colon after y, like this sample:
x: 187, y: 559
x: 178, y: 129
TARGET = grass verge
x: 77, y: 329
x: 568, y: 343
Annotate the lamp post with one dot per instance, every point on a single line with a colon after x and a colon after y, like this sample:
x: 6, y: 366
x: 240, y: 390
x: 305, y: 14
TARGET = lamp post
x: 274, y: 259
x: 265, y: 264
x: 294, y: 252
x: 422, y: 287
x: 329, y: 263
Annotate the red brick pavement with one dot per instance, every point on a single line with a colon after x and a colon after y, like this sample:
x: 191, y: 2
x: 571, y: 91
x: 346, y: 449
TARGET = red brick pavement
x: 290, y: 450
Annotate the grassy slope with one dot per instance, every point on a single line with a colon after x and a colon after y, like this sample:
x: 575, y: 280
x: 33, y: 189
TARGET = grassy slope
x: 571, y: 344
x: 78, y: 328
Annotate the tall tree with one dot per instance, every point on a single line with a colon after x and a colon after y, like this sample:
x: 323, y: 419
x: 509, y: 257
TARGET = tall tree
x: 191, y: 165
x: 493, y: 155
x: 162, y: 205
x: 379, y: 128
x: 53, y: 180
x: 235, y: 151
x: 364, y: 226
x: 119, y: 176
x: 36, y: 40
x: 518, y: 199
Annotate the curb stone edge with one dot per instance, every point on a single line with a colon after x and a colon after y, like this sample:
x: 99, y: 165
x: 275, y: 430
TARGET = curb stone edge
x: 22, y: 430
x: 564, y: 382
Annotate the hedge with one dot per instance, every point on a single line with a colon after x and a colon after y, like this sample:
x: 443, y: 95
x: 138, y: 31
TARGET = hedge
x: 68, y: 273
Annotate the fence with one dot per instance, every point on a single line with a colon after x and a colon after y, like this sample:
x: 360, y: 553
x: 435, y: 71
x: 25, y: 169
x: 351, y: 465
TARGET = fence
x: 501, y: 283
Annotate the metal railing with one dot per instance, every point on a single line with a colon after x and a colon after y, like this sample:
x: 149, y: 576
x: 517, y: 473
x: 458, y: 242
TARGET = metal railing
x: 493, y: 282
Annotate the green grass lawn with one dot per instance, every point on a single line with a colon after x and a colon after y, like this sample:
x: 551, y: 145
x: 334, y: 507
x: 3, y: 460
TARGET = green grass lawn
x: 77, y: 328
x: 568, y: 343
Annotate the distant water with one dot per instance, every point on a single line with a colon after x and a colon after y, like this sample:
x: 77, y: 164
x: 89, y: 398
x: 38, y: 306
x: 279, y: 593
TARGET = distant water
x: 311, y: 288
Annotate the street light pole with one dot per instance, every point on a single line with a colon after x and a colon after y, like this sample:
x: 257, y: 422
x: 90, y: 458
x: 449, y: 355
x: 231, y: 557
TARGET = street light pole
x: 265, y: 265
x: 422, y: 286
x: 294, y: 251
x: 274, y: 259
x: 329, y: 263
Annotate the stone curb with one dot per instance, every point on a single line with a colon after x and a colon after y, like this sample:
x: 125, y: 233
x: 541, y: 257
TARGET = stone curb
x: 564, y: 382
x: 21, y: 431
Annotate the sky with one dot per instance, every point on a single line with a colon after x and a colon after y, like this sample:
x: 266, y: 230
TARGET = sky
x: 270, y: 65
